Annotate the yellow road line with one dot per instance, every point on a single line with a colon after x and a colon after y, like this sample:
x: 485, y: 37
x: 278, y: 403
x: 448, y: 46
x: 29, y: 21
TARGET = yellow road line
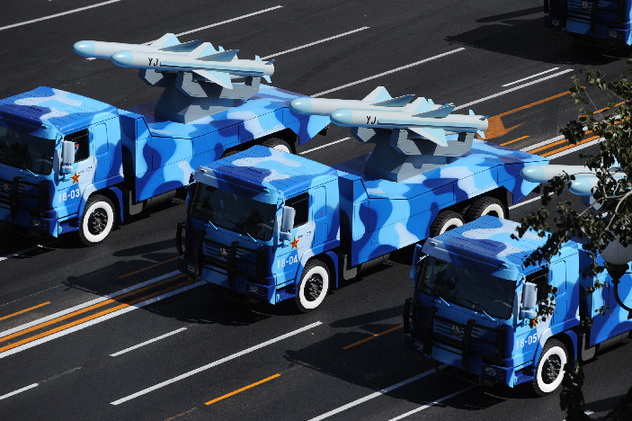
x: 513, y: 141
x: 84, y: 310
x: 250, y: 386
x: 24, y: 311
x: 94, y: 316
x: 377, y: 335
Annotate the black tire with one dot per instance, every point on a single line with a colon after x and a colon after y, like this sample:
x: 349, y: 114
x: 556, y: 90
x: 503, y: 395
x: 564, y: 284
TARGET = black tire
x: 445, y: 221
x: 313, y: 287
x: 486, y: 205
x: 550, y: 369
x: 98, y: 220
x: 278, y: 144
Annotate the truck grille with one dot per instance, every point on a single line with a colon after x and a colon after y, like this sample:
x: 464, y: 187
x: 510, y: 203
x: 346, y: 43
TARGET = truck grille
x: 233, y: 259
x: 582, y: 11
x: 468, y: 339
x: 18, y: 193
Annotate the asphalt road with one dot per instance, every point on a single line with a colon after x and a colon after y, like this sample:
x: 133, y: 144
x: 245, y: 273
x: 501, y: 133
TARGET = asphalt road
x: 133, y: 341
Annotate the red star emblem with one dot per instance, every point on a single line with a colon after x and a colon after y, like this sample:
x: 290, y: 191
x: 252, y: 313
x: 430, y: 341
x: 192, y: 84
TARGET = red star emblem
x: 75, y: 178
x: 294, y: 243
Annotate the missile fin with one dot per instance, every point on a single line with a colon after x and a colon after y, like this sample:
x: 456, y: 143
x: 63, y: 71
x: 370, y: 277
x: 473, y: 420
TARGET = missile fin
x: 440, y: 112
x: 220, y: 78
x: 419, y: 105
x: 221, y: 56
x: 377, y: 95
x: 435, y: 135
x: 185, y: 47
x: 400, y: 101
x: 167, y: 40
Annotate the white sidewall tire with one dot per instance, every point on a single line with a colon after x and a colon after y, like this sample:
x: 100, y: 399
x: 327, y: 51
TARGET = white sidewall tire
x: 451, y: 224
x: 554, y: 351
x: 316, y: 270
x: 486, y: 205
x: 97, y: 205
x: 495, y: 209
x: 278, y: 144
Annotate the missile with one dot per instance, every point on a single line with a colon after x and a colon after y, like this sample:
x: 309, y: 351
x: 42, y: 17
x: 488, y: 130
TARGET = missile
x: 216, y: 67
x: 105, y: 49
x: 378, y: 99
x: 431, y: 125
x: 378, y: 110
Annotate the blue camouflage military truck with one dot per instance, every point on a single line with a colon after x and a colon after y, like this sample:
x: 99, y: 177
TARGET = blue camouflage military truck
x: 591, y: 20
x: 269, y: 226
x: 69, y: 163
x: 475, y: 306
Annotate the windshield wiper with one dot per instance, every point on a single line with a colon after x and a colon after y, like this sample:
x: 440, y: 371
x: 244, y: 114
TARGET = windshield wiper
x: 212, y: 224
x: 478, y: 307
x: 436, y: 294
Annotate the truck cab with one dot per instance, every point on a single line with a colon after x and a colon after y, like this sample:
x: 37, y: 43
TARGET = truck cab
x: 255, y: 219
x: 50, y: 142
x: 476, y: 306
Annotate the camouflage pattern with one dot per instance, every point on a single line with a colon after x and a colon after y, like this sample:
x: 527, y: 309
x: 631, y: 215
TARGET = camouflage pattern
x: 469, y: 331
x: 128, y: 153
x: 351, y: 215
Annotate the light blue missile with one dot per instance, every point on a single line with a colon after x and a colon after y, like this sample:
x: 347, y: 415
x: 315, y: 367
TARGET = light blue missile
x: 105, y: 49
x: 217, y: 67
x: 431, y: 125
x: 544, y: 173
x: 378, y: 99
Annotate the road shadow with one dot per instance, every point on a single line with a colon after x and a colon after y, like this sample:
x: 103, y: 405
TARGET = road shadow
x: 523, y: 34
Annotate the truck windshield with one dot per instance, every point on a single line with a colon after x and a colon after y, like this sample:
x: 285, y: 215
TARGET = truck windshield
x: 467, y: 287
x: 26, y: 152
x: 233, y: 212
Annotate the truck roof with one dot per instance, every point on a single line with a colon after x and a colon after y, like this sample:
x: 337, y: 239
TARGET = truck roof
x: 52, y: 110
x: 261, y: 168
x: 487, y: 243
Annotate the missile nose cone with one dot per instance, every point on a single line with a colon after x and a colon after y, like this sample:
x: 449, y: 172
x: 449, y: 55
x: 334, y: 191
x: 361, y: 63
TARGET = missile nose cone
x: 123, y: 58
x: 535, y: 173
x: 301, y: 105
x: 85, y: 48
x: 583, y: 185
x: 342, y: 117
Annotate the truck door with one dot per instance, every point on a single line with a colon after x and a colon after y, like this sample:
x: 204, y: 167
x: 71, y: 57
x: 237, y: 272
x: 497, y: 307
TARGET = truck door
x: 288, y: 257
x: 72, y: 186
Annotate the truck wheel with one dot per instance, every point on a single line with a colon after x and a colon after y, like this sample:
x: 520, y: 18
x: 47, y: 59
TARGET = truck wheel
x: 278, y: 144
x: 313, y: 287
x: 97, y: 221
x: 550, y: 370
x: 445, y: 221
x: 486, y: 205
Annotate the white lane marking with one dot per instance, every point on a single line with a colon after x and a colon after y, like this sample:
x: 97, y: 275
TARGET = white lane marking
x: 324, y: 146
x: 202, y: 28
x: 524, y: 202
x: 88, y: 304
x: 215, y: 363
x: 19, y: 253
x: 56, y: 15
x: 15, y: 392
x: 433, y: 403
x: 100, y: 319
x: 375, y: 394
x: 388, y: 72
x: 314, y: 43
x: 543, y: 143
x: 530, y: 77
x: 140, y: 345
x: 515, y: 88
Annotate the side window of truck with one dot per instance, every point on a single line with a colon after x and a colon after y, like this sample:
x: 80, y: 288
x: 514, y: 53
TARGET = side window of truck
x: 82, y: 145
x: 300, y: 203
x: 540, y: 278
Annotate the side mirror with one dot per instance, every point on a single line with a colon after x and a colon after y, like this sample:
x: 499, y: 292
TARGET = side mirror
x: 418, y: 257
x: 529, y: 301
x: 287, y: 223
x: 67, y: 156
